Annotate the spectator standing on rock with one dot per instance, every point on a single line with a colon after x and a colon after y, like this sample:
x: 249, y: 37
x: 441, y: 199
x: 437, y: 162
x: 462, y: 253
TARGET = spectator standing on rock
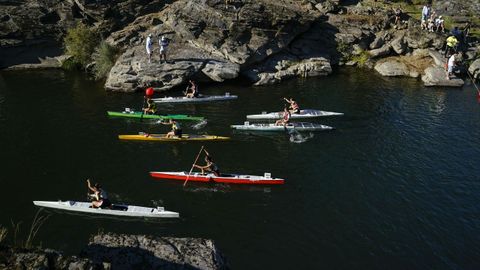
x: 450, y: 66
x: 451, y: 46
x: 148, y: 47
x: 425, y: 15
x: 440, y: 24
x: 398, y: 15
x: 163, y: 42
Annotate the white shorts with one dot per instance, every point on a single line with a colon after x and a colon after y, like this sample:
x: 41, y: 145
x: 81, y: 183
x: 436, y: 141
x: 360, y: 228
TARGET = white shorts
x: 149, y: 50
x: 163, y: 50
x: 450, y: 69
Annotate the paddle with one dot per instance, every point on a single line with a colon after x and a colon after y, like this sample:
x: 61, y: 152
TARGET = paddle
x: 143, y: 106
x: 195, y: 162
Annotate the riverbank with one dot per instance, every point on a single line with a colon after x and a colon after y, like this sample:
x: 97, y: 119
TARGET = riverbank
x: 120, y: 251
x: 264, y: 42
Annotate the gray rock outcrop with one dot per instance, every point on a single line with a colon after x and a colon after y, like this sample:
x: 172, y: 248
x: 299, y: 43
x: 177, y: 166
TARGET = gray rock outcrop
x: 436, y: 76
x: 147, y: 252
x: 117, y: 251
x: 474, y: 69
x: 392, y: 68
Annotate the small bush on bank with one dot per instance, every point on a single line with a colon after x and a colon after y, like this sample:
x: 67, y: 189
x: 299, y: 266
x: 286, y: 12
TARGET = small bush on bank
x: 80, y: 43
x: 104, y: 57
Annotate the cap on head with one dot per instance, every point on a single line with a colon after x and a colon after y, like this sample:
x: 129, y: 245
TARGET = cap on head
x: 150, y: 35
x: 163, y: 37
x: 440, y: 16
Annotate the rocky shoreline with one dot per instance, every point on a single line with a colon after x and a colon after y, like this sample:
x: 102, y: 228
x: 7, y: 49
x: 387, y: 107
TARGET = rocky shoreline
x: 262, y: 41
x: 119, y: 251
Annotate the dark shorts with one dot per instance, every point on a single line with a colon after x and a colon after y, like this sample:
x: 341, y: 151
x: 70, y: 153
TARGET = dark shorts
x: 177, y: 132
x: 105, y: 203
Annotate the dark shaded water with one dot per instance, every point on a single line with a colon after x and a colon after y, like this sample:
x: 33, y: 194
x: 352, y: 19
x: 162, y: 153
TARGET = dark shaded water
x: 396, y: 186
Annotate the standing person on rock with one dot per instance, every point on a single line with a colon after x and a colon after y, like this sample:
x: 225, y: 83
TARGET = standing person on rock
x: 148, y: 47
x: 451, y: 46
x: 163, y: 42
x: 425, y: 15
x: 450, y: 66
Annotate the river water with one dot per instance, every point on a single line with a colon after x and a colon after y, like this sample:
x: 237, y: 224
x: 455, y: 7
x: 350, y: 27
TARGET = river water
x: 395, y: 186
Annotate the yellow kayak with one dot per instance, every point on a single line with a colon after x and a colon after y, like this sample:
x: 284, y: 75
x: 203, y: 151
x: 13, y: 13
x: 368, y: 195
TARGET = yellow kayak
x: 163, y: 138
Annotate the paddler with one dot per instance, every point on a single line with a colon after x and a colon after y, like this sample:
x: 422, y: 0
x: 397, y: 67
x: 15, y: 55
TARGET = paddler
x: 99, y: 196
x: 151, y: 107
x: 176, y: 129
x: 192, y: 90
x: 294, y: 108
x: 285, y: 118
x: 210, y: 166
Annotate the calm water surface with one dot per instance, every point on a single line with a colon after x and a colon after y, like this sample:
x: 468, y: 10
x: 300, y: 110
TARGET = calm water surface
x: 395, y: 186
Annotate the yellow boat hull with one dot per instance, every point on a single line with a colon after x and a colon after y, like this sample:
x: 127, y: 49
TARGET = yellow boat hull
x: 163, y: 138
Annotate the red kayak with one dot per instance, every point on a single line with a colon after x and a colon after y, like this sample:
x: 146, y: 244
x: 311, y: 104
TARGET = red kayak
x: 224, y: 178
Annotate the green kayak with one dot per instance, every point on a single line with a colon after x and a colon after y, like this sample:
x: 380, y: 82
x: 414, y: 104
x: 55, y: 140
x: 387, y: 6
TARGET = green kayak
x: 133, y: 114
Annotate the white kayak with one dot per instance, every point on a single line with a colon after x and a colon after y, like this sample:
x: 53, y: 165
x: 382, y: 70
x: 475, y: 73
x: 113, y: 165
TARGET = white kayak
x: 115, y: 210
x: 200, y: 98
x: 300, y: 126
x: 304, y: 114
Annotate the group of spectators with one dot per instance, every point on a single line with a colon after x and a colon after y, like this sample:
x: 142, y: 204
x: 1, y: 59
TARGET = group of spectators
x: 430, y: 21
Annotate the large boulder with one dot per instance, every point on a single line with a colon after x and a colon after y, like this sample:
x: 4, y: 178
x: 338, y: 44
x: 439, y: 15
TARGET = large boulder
x: 392, y: 68
x: 383, y: 51
x: 474, y: 68
x: 436, y: 76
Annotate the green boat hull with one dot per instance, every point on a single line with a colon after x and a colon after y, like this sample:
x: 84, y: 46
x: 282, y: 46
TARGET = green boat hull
x: 155, y: 116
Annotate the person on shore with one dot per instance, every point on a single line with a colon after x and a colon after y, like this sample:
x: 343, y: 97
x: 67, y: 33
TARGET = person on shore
x: 425, y: 15
x: 451, y: 46
x: 466, y: 32
x: 148, y: 47
x: 293, y: 105
x: 285, y: 118
x: 450, y: 66
x: 151, y: 107
x: 176, y: 129
x: 209, y: 166
x: 99, y: 196
x: 440, y: 24
x: 192, y: 90
x: 398, y: 15
x: 163, y: 42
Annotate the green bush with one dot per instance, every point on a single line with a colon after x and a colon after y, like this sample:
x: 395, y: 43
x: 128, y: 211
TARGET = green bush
x: 80, y: 42
x: 104, y: 56
x: 361, y: 58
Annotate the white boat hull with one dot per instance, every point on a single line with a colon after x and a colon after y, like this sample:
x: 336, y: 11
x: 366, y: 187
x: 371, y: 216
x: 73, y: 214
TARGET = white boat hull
x: 127, y: 210
x: 194, y: 100
x: 304, y: 114
x: 300, y: 126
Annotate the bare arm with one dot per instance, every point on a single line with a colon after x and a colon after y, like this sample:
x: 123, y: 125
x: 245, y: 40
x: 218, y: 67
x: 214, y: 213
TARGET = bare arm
x: 90, y: 186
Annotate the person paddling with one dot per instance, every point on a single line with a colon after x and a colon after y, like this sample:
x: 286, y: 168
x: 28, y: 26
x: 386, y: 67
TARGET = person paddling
x: 151, y: 107
x: 192, y: 90
x: 285, y: 119
x: 99, y: 196
x: 294, y: 108
x: 209, y: 166
x: 176, y: 129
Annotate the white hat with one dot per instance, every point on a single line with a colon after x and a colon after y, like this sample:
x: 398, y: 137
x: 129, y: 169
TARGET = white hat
x: 150, y: 35
x: 163, y: 37
x: 440, y: 16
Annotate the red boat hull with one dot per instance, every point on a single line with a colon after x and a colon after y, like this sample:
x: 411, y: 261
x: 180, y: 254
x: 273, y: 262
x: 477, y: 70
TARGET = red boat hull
x: 218, y: 179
